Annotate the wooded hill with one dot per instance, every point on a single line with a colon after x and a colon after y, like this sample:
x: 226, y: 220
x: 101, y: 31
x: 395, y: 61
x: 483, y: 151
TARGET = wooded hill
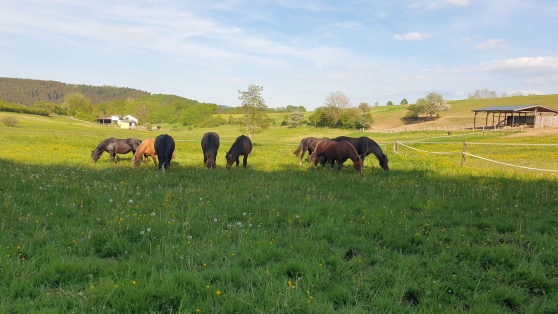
x: 28, y: 91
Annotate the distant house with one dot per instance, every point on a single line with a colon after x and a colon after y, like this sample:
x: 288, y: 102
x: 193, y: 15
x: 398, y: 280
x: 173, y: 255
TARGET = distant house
x: 128, y: 120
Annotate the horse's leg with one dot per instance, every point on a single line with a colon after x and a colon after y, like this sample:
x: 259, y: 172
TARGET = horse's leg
x: 245, y: 161
x: 237, y: 161
x: 340, y: 163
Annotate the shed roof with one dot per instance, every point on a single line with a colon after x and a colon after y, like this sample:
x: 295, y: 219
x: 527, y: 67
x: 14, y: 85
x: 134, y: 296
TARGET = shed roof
x: 519, y: 108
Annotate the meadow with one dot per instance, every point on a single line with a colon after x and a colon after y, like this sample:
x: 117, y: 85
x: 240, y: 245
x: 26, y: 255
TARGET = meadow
x: 428, y: 236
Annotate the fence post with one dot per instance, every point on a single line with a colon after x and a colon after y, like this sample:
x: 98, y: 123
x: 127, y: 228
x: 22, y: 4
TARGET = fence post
x: 463, y: 154
x: 395, y: 146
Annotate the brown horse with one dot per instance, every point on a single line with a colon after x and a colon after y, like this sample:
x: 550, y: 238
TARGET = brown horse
x: 146, y: 149
x: 366, y: 146
x: 337, y: 151
x: 307, y: 144
x: 242, y: 146
x: 210, y: 146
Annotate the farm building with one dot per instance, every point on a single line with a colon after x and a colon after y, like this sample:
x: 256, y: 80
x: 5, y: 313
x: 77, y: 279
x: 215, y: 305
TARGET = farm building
x: 532, y: 115
x: 117, y: 120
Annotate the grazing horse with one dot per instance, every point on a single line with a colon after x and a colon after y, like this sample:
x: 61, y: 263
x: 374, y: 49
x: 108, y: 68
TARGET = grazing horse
x: 210, y: 146
x: 365, y: 146
x: 146, y: 149
x: 242, y: 146
x: 307, y: 144
x: 115, y: 146
x: 337, y: 151
x: 164, y: 147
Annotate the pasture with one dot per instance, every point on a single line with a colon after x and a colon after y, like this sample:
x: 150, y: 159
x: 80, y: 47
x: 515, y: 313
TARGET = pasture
x: 278, y: 237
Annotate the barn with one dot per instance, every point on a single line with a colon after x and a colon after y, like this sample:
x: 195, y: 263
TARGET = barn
x: 531, y: 115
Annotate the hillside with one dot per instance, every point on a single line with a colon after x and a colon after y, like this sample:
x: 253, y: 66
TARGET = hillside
x: 29, y: 91
x: 460, y: 114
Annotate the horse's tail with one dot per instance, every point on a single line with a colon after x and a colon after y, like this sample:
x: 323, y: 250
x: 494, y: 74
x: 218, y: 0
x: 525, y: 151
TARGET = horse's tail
x: 299, y: 148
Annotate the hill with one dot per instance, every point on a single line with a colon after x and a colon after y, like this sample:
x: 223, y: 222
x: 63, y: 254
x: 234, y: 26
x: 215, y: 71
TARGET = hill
x: 460, y: 114
x: 29, y: 91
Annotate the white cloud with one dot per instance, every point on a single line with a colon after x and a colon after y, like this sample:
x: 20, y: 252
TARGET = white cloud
x: 412, y: 36
x: 458, y: 2
x: 491, y: 44
x: 524, y: 66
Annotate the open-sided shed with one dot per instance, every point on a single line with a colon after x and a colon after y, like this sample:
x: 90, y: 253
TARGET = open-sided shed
x: 517, y: 115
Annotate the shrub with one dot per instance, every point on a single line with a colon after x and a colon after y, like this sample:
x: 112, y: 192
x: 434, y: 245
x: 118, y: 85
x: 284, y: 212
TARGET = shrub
x: 9, y: 120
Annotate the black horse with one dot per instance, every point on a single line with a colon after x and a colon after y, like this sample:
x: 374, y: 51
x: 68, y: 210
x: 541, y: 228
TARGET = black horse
x: 307, y: 144
x: 364, y: 147
x: 164, y: 147
x: 242, y: 146
x: 210, y: 146
x: 115, y: 146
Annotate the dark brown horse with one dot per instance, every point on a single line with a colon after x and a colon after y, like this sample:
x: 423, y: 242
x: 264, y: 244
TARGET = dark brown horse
x: 242, y: 146
x: 210, y: 146
x: 364, y: 147
x: 337, y: 151
x: 115, y: 146
x: 307, y: 144
x: 164, y: 147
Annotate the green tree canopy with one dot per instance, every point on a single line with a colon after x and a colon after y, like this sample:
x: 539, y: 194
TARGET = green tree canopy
x: 404, y: 101
x: 252, y: 103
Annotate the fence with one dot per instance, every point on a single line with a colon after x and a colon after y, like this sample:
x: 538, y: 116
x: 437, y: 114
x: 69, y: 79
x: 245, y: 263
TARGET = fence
x: 464, y: 152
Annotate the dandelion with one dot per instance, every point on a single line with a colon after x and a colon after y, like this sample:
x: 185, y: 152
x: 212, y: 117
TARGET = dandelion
x: 110, y: 201
x: 218, y: 292
x: 115, y: 286
x: 215, y: 220
x: 148, y: 229
x: 153, y: 214
x: 142, y: 232
x: 130, y: 201
x: 133, y: 282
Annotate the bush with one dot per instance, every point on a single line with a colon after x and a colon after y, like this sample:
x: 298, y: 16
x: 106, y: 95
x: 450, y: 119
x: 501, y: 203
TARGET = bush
x: 9, y: 120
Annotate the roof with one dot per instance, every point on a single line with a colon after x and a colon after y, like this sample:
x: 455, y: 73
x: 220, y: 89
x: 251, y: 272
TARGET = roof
x: 519, y: 108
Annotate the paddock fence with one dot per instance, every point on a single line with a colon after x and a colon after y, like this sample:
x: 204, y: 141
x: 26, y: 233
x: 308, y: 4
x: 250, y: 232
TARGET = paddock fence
x: 464, y: 154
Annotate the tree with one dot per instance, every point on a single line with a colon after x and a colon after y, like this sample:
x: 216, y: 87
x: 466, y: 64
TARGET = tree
x: 376, y: 104
x: 335, y: 103
x: 142, y: 112
x: 433, y: 103
x: 389, y: 103
x: 255, y: 119
x: 295, y: 118
x: 348, y: 118
x: 483, y: 94
x: 404, y: 101
x: 364, y: 106
x: 9, y: 120
x: 364, y: 121
x: 412, y: 112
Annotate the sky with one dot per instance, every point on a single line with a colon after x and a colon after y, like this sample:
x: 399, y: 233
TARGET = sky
x: 298, y: 51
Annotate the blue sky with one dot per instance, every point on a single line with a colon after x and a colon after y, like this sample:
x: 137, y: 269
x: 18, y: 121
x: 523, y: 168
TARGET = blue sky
x: 299, y: 51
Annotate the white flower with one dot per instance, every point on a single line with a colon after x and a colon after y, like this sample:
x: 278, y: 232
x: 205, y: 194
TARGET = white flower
x: 148, y: 229
x: 130, y: 201
x: 142, y: 232
x: 110, y: 201
x: 243, y: 214
x: 215, y: 220
x: 153, y: 214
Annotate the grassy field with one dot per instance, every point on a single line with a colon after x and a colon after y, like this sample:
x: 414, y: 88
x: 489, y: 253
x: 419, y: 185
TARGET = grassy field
x: 429, y: 236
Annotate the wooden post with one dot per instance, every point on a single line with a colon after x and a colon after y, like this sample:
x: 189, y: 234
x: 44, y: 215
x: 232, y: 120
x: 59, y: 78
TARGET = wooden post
x: 395, y: 146
x: 463, y: 154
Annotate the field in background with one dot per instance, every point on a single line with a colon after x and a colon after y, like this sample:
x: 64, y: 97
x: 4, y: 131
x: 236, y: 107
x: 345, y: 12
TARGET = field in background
x: 427, y: 236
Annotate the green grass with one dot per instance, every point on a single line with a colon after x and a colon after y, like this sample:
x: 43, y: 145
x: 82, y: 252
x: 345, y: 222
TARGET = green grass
x: 427, y: 236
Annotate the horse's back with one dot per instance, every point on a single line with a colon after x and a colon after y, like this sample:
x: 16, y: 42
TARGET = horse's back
x: 242, y: 145
x: 210, y: 140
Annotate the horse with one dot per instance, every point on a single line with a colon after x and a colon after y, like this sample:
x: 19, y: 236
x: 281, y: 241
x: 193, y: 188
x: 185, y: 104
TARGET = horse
x: 307, y: 144
x: 210, y: 146
x: 164, y: 147
x: 242, y: 146
x: 115, y: 146
x: 146, y: 149
x: 337, y: 151
x: 365, y: 146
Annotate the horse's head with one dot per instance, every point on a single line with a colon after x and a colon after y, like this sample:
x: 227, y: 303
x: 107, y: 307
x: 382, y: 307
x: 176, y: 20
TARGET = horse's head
x: 136, y: 160
x: 230, y: 159
x: 95, y: 154
x: 384, y: 162
x: 358, y: 165
x: 210, y: 161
